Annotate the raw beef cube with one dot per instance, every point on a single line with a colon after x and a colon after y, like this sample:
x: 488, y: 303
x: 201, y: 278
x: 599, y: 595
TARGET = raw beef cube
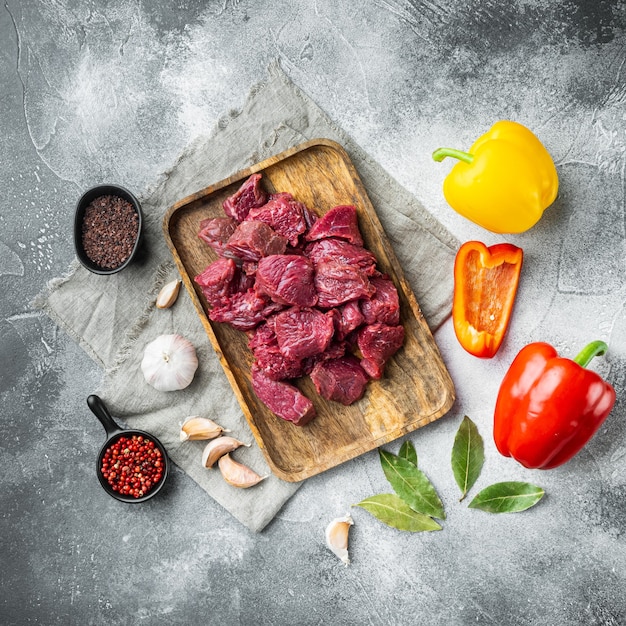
x: 284, y: 214
x: 340, y: 221
x: 384, y: 305
x: 262, y: 335
x: 217, y: 231
x: 287, y: 279
x: 217, y: 280
x: 252, y: 241
x: 282, y: 398
x: 277, y: 366
x: 244, y: 310
x: 341, y: 252
x: 348, y: 317
x: 377, y: 343
x: 249, y: 196
x: 342, y: 380
x: 269, y: 359
x: 336, y: 284
x: 335, y: 350
x: 303, y: 332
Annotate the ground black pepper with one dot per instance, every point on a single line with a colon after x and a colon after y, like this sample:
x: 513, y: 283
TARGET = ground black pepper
x: 109, y: 231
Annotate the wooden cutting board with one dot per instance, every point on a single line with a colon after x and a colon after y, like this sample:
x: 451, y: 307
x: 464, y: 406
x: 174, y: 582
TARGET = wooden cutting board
x: 416, y: 388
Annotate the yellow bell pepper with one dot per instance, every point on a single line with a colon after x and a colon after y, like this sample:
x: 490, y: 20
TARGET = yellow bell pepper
x: 505, y: 182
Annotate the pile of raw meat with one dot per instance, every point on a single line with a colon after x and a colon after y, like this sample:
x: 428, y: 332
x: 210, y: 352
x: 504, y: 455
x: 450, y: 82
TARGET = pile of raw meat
x: 306, y: 292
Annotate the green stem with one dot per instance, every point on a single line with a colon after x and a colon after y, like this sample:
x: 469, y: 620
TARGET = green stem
x: 595, y: 348
x: 441, y: 153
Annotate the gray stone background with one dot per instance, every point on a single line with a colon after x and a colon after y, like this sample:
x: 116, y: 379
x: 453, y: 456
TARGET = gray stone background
x: 113, y: 91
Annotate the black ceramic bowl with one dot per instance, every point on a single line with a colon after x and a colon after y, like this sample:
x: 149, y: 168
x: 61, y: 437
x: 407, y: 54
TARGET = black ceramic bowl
x: 114, y: 432
x: 79, y: 217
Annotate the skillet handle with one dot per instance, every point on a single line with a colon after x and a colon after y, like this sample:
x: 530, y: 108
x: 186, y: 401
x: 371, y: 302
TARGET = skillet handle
x: 98, y: 408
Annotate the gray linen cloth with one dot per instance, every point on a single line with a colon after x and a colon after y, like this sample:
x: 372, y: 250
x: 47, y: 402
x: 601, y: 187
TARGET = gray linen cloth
x: 113, y: 318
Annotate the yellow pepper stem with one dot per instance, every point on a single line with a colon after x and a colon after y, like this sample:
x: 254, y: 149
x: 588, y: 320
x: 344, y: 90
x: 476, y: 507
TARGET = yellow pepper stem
x: 441, y: 153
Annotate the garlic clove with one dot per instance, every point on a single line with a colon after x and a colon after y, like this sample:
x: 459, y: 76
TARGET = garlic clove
x: 196, y: 428
x: 168, y: 294
x: 169, y: 363
x: 237, y: 474
x: 337, y: 537
x: 217, y: 448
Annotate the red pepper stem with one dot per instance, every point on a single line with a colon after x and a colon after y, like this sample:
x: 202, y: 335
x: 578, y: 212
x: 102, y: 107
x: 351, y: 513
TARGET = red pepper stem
x: 441, y: 153
x: 595, y: 348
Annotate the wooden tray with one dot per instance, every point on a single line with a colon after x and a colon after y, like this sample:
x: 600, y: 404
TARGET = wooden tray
x: 416, y: 388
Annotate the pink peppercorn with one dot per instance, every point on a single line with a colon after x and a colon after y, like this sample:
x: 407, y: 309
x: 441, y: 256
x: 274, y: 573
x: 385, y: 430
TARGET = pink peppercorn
x: 132, y: 465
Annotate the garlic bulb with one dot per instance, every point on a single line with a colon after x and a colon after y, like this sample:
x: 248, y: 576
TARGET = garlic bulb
x: 169, y: 363
x: 168, y: 294
x: 197, y: 428
x: 337, y: 537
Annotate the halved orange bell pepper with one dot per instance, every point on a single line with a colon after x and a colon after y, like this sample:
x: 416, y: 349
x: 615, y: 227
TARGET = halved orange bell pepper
x: 485, y: 285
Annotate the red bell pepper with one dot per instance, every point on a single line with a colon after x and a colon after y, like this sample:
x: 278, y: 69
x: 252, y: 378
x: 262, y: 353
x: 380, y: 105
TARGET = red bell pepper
x: 485, y: 285
x: 549, y: 407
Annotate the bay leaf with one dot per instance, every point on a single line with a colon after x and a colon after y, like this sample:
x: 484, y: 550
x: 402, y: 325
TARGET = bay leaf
x: 395, y: 512
x: 407, y: 451
x: 411, y: 484
x: 468, y: 455
x: 507, y: 497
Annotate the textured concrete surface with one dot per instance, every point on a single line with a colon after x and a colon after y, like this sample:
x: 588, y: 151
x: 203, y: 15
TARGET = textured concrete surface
x: 94, y: 91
